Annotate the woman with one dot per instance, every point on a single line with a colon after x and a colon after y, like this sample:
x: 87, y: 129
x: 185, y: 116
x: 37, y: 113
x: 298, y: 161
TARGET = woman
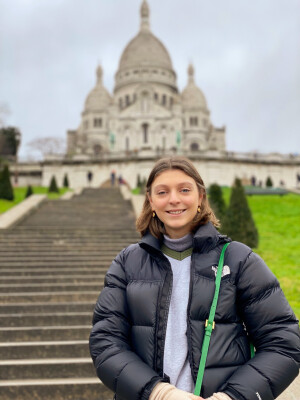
x: 149, y: 319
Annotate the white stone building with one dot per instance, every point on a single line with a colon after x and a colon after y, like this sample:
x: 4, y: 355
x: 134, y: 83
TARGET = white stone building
x: 146, y: 114
x: 146, y: 118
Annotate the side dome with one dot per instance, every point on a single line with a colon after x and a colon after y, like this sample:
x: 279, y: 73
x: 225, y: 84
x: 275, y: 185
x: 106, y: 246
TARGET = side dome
x: 98, y: 98
x: 192, y: 97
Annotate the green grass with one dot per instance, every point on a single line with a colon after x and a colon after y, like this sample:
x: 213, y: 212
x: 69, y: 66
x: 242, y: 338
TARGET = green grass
x: 137, y: 190
x: 277, y: 219
x: 20, y: 195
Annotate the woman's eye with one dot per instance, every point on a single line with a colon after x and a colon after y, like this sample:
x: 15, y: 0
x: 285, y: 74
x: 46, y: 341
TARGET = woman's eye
x: 185, y: 190
x: 160, y: 193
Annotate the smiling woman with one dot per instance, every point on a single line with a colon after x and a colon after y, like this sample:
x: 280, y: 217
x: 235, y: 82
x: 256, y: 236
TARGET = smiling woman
x: 155, y: 312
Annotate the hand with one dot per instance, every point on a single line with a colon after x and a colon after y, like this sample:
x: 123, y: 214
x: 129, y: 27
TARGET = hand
x: 165, y: 391
x: 219, y: 396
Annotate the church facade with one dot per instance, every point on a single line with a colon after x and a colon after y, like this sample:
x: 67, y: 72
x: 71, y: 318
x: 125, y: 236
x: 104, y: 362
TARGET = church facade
x: 146, y: 114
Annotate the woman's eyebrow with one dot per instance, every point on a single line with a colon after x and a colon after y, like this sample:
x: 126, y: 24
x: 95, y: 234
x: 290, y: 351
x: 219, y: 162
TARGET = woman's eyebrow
x: 164, y: 185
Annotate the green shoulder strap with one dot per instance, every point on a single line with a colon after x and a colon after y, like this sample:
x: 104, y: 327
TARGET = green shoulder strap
x: 210, y: 323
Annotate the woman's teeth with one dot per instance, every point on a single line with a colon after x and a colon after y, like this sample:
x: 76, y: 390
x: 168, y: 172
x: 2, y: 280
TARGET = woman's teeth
x: 175, y: 212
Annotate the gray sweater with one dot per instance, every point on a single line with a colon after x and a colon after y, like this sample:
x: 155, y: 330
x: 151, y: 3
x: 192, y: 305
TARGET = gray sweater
x: 176, y: 364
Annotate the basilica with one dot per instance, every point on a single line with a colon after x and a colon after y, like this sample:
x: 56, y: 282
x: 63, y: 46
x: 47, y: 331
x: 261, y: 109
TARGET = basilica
x: 146, y: 114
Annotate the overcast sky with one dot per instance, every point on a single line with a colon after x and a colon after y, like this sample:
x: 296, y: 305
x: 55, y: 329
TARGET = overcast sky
x: 246, y: 56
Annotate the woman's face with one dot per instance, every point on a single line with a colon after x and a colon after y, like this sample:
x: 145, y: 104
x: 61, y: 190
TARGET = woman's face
x: 175, y: 199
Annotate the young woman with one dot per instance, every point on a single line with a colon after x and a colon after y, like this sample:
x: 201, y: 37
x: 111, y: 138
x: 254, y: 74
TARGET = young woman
x: 149, y: 320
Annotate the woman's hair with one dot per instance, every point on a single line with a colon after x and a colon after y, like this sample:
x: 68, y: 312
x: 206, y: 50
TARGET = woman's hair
x: 156, y: 227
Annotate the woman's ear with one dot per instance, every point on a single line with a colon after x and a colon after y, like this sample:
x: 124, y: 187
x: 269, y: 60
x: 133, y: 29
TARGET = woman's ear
x: 149, y: 198
x: 200, y: 198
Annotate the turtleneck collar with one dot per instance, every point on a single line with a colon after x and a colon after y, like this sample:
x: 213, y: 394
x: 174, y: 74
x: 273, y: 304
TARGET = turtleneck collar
x: 180, y: 244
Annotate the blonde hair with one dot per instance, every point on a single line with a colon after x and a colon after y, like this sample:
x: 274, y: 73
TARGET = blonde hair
x: 156, y: 227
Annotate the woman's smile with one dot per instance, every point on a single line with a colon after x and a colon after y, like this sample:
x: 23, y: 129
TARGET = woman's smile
x: 175, y: 212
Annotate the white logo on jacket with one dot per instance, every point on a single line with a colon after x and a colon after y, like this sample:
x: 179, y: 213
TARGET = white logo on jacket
x: 226, y: 270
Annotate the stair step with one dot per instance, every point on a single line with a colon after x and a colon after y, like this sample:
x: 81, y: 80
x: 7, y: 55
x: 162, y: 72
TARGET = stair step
x: 44, y: 333
x: 71, y: 296
x: 36, y: 350
x: 55, y: 389
x: 23, y: 288
x: 40, y: 272
x: 47, y: 368
x: 46, y: 279
x: 46, y: 307
x: 53, y: 319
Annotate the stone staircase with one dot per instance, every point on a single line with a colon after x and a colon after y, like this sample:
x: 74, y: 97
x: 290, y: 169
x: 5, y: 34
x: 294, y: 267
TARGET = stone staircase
x: 51, y: 272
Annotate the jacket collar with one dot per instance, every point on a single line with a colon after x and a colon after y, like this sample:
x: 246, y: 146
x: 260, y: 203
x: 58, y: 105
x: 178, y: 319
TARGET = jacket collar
x: 150, y: 243
x: 205, y: 239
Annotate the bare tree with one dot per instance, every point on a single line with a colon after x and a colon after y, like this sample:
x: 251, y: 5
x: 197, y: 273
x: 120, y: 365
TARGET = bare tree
x: 4, y: 112
x: 47, y: 145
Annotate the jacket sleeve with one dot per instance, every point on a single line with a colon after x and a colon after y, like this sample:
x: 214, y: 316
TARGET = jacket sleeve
x: 273, y: 329
x: 118, y: 367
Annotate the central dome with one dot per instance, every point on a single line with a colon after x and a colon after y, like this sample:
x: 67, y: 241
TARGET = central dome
x: 145, y: 50
x: 145, y: 58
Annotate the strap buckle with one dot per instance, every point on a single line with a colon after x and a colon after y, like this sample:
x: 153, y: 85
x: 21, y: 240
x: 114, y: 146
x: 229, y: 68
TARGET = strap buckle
x: 210, y: 323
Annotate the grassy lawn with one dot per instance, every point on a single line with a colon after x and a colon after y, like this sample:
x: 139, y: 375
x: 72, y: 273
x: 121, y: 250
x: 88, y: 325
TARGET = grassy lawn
x: 277, y: 219
x: 20, y: 195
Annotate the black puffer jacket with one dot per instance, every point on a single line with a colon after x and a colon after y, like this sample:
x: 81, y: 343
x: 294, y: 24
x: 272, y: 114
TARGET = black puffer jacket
x: 130, y: 319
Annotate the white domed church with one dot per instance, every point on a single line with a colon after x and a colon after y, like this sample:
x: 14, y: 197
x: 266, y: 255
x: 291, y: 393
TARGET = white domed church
x: 146, y: 114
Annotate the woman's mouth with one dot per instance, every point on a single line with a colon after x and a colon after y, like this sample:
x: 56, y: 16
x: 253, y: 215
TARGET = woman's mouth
x: 175, y: 212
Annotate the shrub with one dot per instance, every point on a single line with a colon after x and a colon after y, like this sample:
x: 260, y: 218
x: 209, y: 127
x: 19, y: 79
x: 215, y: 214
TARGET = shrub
x: 29, y: 191
x: 6, y: 189
x: 238, y: 222
x: 53, y: 186
x: 139, y: 182
x: 269, y: 182
x: 66, y: 181
x: 216, y: 200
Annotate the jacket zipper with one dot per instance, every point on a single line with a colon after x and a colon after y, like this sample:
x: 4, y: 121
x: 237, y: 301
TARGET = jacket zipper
x: 165, y: 316
x: 188, y: 324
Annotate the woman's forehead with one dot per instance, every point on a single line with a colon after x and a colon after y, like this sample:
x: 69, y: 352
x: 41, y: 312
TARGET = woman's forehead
x: 172, y: 176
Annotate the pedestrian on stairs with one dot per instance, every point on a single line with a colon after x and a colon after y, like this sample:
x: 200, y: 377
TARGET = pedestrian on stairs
x: 154, y: 321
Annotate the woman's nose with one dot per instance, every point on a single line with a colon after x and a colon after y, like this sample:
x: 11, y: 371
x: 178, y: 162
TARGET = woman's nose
x: 174, y: 198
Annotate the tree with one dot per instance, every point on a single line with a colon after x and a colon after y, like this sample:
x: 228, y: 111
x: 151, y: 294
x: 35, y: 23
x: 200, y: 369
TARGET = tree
x: 47, y: 145
x: 238, y: 222
x: 139, y: 181
x: 29, y: 191
x: 269, y: 182
x: 6, y: 189
x: 53, y: 186
x: 9, y: 141
x: 216, y: 200
x: 66, y: 181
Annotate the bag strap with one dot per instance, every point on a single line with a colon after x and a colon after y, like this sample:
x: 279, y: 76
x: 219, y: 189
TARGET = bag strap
x: 210, y: 323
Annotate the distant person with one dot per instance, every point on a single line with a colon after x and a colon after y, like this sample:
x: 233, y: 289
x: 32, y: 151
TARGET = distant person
x: 90, y: 177
x: 112, y: 178
x: 253, y: 181
x: 120, y: 180
x: 298, y: 179
x: 156, y: 307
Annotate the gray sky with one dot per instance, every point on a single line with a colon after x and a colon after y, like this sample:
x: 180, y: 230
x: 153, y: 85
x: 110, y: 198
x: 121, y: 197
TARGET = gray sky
x: 246, y: 56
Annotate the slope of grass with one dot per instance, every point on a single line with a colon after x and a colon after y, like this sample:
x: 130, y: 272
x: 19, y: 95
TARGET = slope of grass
x: 20, y: 196
x: 277, y: 219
